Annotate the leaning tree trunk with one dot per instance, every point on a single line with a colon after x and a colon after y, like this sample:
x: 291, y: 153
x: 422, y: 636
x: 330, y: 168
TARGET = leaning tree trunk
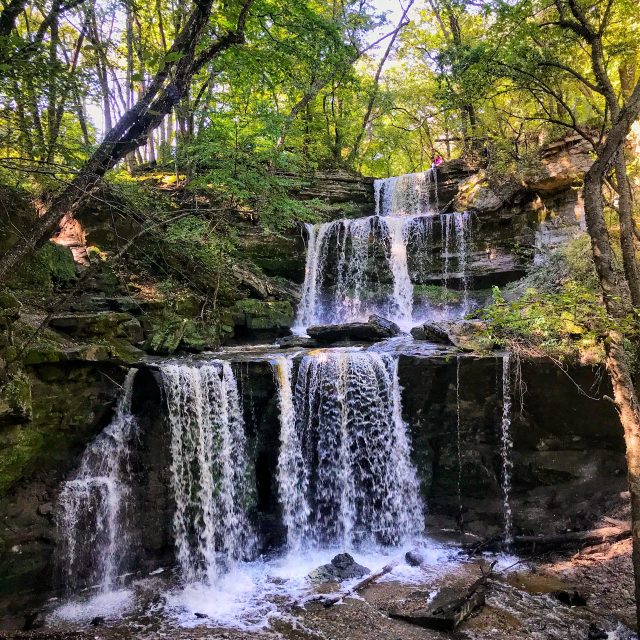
x: 133, y: 128
x: 615, y: 293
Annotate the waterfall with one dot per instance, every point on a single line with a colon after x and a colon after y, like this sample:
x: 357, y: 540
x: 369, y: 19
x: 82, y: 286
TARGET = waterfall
x: 357, y: 267
x: 406, y: 195
x: 349, y: 264
x: 455, y: 235
x: 506, y: 448
x: 459, y: 443
x: 209, y: 468
x: 94, y: 542
x: 345, y: 471
x: 293, y: 479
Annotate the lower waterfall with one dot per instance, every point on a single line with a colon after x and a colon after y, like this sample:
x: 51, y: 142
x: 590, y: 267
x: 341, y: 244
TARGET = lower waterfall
x: 506, y: 448
x: 91, y: 507
x: 345, y: 470
x: 210, y: 476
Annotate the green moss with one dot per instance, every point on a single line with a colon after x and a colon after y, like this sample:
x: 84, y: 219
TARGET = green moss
x: 66, y: 406
x: 50, y: 264
x: 15, y: 398
x: 437, y: 294
x: 263, y: 314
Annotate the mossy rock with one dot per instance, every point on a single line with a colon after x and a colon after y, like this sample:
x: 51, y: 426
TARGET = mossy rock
x: 166, y: 335
x: 51, y: 264
x: 65, y: 412
x: 9, y: 309
x: 15, y: 399
x: 263, y: 314
x: 101, y: 324
x: 198, y: 336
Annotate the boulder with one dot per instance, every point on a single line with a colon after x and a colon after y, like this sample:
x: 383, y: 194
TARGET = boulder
x: 374, y: 330
x: 102, y: 324
x: 296, y: 341
x: 467, y: 335
x: 432, y: 332
x: 562, y: 164
x: 342, y: 567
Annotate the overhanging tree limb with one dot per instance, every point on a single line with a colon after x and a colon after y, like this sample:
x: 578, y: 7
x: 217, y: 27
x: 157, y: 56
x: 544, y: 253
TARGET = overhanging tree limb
x: 131, y: 131
x: 403, y: 22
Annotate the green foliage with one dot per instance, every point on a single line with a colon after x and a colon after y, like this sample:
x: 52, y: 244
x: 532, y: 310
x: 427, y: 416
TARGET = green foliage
x: 238, y: 174
x: 557, y: 309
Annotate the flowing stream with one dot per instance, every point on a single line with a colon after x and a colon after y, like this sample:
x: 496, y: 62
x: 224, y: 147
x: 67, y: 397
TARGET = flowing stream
x: 506, y: 447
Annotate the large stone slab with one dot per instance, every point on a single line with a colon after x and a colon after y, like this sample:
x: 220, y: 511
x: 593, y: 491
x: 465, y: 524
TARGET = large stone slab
x: 374, y: 330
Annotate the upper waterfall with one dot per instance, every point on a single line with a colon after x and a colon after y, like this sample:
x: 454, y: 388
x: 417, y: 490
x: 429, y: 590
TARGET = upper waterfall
x: 370, y: 265
x: 408, y: 194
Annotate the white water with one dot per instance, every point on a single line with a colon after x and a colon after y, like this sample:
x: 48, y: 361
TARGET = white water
x: 255, y: 593
x: 94, y: 540
x: 406, y: 195
x: 506, y: 448
x: 348, y: 447
x: 209, y: 469
x: 355, y: 268
x: 292, y: 476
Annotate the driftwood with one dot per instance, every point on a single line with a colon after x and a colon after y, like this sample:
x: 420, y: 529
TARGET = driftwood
x: 619, y: 531
x: 448, y: 609
x: 329, y: 600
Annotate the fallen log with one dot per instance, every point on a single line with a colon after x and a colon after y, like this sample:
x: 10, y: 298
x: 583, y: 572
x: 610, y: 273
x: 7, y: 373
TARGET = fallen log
x: 566, y: 539
x: 448, y: 609
x: 329, y: 600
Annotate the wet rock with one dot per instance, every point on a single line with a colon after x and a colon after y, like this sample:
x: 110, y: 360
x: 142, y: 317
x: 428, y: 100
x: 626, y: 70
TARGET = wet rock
x: 596, y: 633
x: 465, y: 334
x: 384, y: 324
x: 342, y: 567
x: 98, y: 621
x: 374, y: 330
x: 296, y: 341
x: 414, y: 558
x: 570, y: 598
x: 432, y: 332
x: 34, y: 620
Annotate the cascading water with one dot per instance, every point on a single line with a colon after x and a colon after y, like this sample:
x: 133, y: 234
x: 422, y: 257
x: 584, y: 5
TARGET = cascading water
x: 345, y: 470
x: 456, y: 233
x: 359, y: 267
x: 292, y: 476
x: 209, y: 469
x: 506, y: 447
x: 92, y: 507
x: 459, y: 444
x: 408, y: 194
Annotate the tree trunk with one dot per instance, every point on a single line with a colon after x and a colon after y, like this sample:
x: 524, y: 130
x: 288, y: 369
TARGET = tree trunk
x: 618, y: 310
x: 625, y: 215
